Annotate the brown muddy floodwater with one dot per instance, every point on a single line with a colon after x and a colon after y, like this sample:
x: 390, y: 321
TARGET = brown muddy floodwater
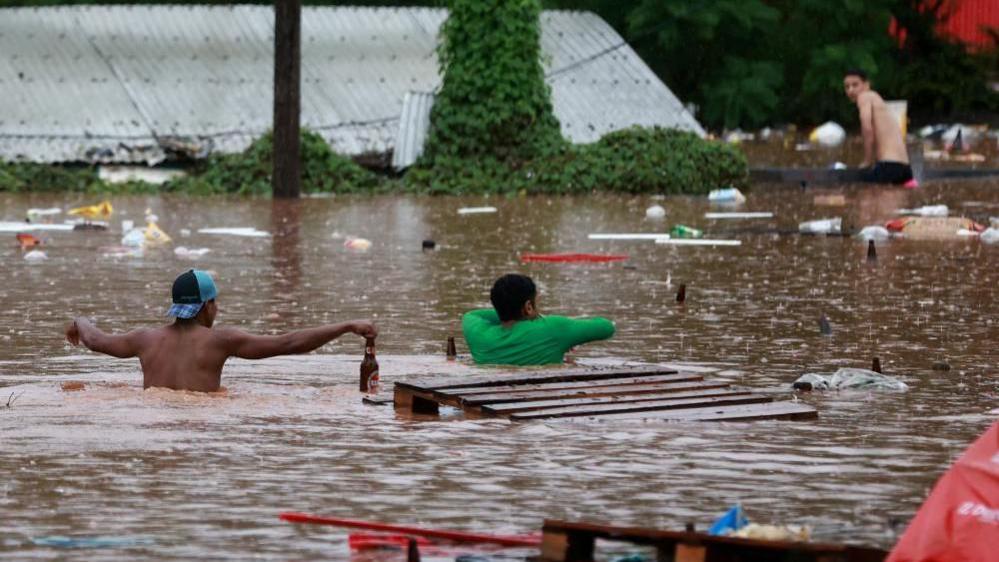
x: 179, y: 476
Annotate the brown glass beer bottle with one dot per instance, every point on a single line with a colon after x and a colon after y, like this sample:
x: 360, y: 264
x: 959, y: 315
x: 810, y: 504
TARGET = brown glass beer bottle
x: 369, y: 367
x: 452, y: 352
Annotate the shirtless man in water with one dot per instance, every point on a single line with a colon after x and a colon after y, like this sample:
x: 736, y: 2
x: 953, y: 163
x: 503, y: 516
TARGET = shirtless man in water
x: 189, y: 354
x: 885, y: 157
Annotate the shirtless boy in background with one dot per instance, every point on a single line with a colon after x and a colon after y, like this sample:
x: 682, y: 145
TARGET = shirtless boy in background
x: 885, y: 157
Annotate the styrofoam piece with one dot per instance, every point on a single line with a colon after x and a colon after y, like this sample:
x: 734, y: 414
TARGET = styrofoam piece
x: 476, y: 210
x: 926, y: 211
x: 185, y: 252
x: 750, y: 215
x: 635, y: 236
x: 655, y: 212
x: 698, y: 242
x: 36, y: 255
x: 16, y: 226
x: 235, y: 231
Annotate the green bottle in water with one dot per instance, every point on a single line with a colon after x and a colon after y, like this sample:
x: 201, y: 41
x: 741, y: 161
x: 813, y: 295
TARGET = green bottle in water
x: 683, y: 231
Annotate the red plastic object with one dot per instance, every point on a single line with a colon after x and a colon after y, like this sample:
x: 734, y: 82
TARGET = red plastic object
x: 28, y: 240
x: 959, y: 521
x: 363, y: 541
x: 897, y: 225
x: 454, y: 536
x: 572, y: 258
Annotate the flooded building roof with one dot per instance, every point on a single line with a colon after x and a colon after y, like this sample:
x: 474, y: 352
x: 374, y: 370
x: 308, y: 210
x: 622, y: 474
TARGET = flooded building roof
x: 139, y: 83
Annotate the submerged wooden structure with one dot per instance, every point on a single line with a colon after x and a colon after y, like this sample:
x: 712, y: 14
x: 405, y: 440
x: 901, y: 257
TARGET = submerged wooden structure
x: 563, y: 541
x: 652, y: 392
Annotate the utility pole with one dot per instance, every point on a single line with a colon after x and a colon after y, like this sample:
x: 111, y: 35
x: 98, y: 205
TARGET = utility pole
x: 286, y: 178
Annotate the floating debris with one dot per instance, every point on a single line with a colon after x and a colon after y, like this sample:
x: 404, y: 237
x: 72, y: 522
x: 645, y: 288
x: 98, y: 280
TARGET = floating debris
x: 655, y: 212
x: 753, y: 215
x: 235, y: 231
x: 476, y: 210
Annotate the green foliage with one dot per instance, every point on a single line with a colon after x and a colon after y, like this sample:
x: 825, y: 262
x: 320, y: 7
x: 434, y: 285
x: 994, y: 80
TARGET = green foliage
x: 493, y: 102
x: 249, y: 173
x: 26, y: 176
x: 636, y: 160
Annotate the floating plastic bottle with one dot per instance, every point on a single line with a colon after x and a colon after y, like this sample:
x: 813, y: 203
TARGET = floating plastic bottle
x: 727, y: 195
x: 684, y: 231
x: 821, y: 226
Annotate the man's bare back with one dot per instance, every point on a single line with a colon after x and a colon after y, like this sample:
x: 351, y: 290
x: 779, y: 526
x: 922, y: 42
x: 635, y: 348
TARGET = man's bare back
x: 889, y: 146
x: 189, y: 354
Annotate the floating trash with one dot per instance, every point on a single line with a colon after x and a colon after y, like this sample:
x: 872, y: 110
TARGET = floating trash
x: 134, y: 238
x: 572, y: 258
x: 34, y: 215
x: 821, y: 226
x: 655, y: 212
x: 27, y: 240
x: 829, y: 134
x: 926, y: 211
x: 835, y: 200
x: 476, y: 210
x: 626, y: 236
x: 125, y: 174
x: 933, y: 228
x: 874, y: 232
x: 757, y: 215
x: 102, y: 210
x: 185, y: 252
x: 990, y: 236
x: 727, y: 195
x: 357, y: 244
x: 684, y: 231
x: 850, y: 378
x: 698, y: 242
x: 235, y: 231
x: 15, y: 226
x: 36, y: 256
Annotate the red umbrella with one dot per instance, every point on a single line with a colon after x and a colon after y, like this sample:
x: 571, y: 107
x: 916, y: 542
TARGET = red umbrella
x: 960, y: 519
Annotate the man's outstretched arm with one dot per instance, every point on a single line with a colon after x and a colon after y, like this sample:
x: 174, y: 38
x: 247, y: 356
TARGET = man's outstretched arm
x: 121, y: 346
x: 249, y: 346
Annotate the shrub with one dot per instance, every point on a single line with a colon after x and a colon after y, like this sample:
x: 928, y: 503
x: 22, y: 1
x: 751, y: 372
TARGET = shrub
x: 249, y: 172
x: 635, y: 160
x: 27, y: 176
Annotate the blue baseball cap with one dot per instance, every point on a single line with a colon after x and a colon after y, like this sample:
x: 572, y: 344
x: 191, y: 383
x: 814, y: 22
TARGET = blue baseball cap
x: 191, y: 290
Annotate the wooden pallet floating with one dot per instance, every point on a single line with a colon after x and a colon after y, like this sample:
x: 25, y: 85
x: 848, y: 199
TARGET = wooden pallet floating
x: 618, y: 393
x: 563, y: 541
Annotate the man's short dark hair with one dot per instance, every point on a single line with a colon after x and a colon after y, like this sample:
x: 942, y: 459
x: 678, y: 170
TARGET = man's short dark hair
x: 509, y: 293
x: 856, y: 72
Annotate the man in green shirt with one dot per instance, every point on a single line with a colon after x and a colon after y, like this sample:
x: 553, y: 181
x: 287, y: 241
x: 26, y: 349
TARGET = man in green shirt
x: 513, y: 333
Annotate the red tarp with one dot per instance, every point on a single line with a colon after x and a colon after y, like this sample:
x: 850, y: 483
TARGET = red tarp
x: 960, y: 519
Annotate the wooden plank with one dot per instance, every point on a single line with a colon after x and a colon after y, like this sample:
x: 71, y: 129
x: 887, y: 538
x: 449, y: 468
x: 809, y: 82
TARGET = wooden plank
x: 660, y: 388
x: 651, y: 406
x: 414, y: 401
x: 567, y: 547
x: 513, y: 407
x: 576, y: 384
x: 772, y: 410
x: 663, y: 539
x: 541, y: 376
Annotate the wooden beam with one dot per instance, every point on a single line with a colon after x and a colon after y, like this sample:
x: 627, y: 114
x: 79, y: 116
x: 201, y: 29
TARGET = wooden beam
x: 660, y: 388
x: 651, y: 406
x: 286, y: 177
x: 572, y: 385
x: 514, y: 407
x: 542, y: 376
x: 772, y: 411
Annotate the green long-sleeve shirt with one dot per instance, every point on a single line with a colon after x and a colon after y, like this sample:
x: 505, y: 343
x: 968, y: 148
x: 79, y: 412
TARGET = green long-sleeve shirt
x: 542, y: 341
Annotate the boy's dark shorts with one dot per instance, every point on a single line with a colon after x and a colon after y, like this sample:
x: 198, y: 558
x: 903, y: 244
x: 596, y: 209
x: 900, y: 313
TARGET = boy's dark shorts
x: 888, y: 172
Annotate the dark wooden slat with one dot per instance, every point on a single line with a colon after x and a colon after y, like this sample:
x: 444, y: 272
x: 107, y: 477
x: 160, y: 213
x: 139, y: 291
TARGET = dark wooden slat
x: 652, y: 406
x: 513, y: 407
x: 576, y: 384
x: 541, y: 376
x: 723, y: 547
x: 479, y: 400
x: 773, y: 410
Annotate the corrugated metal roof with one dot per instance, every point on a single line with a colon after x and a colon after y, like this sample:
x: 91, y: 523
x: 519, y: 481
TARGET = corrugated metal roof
x: 121, y: 83
x: 414, y: 124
